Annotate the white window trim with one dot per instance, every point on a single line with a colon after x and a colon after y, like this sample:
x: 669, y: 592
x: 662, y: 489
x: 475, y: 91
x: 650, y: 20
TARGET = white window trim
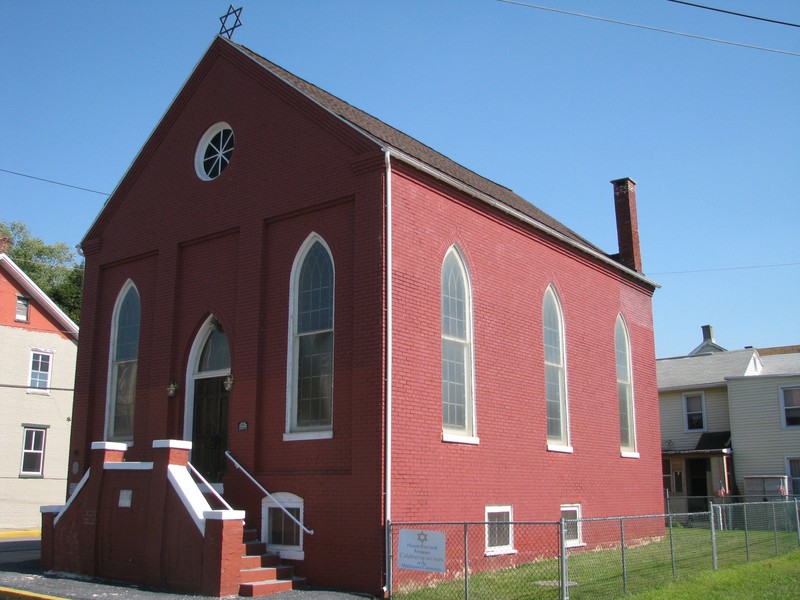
x: 632, y: 451
x: 782, y: 405
x: 456, y: 438
x: 469, y: 434
x: 563, y: 444
x: 45, y: 391
x: 559, y: 448
x: 112, y: 345
x: 686, y: 412
x: 199, y: 154
x: 499, y: 550
x: 578, y: 512
x: 31, y: 474
x: 286, y: 500
x: 789, y: 458
x: 291, y: 433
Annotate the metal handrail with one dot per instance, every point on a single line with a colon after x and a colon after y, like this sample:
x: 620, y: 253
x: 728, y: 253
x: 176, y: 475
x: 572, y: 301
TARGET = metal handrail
x: 209, y: 486
x: 266, y: 493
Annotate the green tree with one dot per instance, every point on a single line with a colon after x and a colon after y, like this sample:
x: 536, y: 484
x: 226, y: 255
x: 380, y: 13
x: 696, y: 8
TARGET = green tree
x: 53, y: 267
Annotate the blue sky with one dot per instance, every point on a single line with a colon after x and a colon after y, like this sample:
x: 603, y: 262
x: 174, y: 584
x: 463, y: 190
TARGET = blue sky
x: 551, y: 105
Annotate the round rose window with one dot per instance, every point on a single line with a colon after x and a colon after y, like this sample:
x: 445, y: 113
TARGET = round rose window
x: 214, y: 151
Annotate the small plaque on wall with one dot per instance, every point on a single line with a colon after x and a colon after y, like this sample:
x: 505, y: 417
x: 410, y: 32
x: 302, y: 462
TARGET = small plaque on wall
x: 243, y: 425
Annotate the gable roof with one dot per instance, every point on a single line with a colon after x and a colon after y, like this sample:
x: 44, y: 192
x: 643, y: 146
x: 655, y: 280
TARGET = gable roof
x: 26, y: 283
x: 398, y: 140
x: 705, y: 370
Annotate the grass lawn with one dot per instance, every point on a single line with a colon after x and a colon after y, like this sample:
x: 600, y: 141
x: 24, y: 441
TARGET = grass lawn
x: 649, y: 571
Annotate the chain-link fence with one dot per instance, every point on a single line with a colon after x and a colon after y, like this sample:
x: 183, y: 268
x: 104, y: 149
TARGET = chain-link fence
x: 599, y: 558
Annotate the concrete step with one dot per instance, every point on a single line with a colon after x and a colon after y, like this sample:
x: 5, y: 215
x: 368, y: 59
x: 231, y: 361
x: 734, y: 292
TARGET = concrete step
x: 280, y: 572
x: 265, y: 588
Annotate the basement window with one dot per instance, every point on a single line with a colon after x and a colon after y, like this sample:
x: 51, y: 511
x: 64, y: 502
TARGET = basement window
x: 281, y: 514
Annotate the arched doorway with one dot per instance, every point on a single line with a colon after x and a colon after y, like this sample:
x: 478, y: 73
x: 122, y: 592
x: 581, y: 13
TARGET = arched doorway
x: 208, y: 385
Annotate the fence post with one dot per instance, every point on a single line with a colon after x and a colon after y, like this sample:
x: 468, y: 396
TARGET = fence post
x: 713, y: 538
x: 671, y: 546
x: 775, y: 528
x: 746, y: 532
x: 797, y: 520
x: 466, y: 561
x: 563, y: 557
x: 624, y: 564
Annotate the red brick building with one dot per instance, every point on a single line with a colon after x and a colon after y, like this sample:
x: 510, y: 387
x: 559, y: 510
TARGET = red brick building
x: 371, y: 330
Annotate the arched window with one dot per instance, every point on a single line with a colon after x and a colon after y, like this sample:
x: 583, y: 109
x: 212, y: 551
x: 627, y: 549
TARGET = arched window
x: 457, y: 397
x: 627, y: 421
x: 124, y: 358
x: 311, y: 342
x: 555, y: 370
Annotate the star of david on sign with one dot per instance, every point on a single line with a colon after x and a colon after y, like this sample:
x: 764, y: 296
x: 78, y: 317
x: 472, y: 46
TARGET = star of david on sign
x: 225, y: 29
x: 422, y: 537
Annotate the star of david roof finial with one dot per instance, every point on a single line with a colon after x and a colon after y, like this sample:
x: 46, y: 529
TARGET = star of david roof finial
x: 228, y: 30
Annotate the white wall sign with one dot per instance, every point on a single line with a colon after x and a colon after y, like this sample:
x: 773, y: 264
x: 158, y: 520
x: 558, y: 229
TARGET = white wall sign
x: 419, y: 550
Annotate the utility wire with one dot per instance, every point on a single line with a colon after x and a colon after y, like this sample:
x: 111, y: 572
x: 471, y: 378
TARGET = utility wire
x: 650, y: 28
x: 736, y: 14
x: 75, y: 187
x: 794, y: 264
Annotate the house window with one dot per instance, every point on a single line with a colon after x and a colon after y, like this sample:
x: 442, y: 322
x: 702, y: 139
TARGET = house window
x: 124, y: 359
x: 694, y: 410
x: 281, y: 531
x: 555, y: 371
x: 666, y: 474
x: 311, y: 352
x: 573, y: 532
x: 33, y: 439
x: 41, y: 363
x: 214, y: 151
x: 499, y: 530
x: 457, y: 401
x: 790, y: 406
x: 627, y: 429
x: 23, y: 309
x: 793, y: 471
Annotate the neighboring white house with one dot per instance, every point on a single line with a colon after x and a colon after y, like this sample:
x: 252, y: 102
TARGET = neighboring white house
x: 730, y: 423
x: 37, y: 371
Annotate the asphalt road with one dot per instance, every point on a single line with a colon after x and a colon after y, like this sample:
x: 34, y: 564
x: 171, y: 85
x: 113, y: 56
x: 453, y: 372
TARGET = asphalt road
x: 19, y: 569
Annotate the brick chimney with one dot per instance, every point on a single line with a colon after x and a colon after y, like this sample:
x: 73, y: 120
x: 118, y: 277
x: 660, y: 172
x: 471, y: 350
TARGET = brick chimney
x: 627, y: 223
x: 4, y: 242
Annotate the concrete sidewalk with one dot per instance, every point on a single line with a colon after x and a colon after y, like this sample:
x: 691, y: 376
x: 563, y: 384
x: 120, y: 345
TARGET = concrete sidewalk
x: 21, y: 577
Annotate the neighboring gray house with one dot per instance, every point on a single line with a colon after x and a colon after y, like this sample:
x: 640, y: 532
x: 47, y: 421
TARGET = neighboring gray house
x: 38, y: 345
x: 730, y: 422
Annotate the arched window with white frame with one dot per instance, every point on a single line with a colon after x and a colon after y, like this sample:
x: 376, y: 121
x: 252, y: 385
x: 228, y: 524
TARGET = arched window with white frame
x: 458, y: 418
x: 310, y: 369
x: 627, y: 417
x: 555, y: 371
x: 123, y: 364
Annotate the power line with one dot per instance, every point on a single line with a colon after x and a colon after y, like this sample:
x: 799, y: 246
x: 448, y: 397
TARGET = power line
x: 650, y: 28
x: 737, y: 14
x: 794, y: 264
x: 75, y: 187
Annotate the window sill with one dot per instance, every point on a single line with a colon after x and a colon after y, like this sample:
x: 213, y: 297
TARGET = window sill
x: 307, y: 435
x: 575, y: 545
x: 31, y: 476
x: 625, y: 454
x: 559, y: 448
x: 460, y: 439
x: 499, y: 551
x: 38, y: 391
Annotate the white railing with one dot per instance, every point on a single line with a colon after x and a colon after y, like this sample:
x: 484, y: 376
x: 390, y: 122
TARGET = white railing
x: 196, y: 473
x: 270, y: 496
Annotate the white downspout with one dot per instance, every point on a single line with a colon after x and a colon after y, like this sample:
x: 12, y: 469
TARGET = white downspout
x: 388, y: 443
